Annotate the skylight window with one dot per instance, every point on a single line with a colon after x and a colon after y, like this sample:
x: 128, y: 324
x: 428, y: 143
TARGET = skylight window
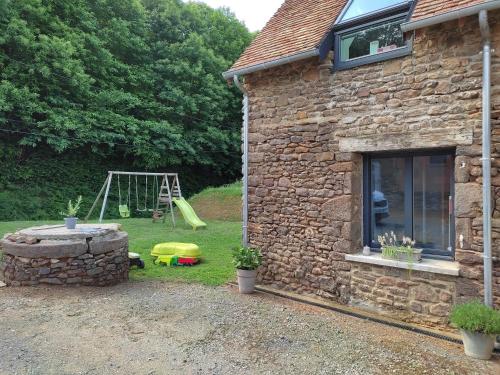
x: 361, y: 7
x: 370, y: 31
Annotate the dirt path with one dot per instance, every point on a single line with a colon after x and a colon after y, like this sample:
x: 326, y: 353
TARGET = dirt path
x: 166, y: 328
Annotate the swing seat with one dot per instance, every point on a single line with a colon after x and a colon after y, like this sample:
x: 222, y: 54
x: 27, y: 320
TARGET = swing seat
x: 124, y: 211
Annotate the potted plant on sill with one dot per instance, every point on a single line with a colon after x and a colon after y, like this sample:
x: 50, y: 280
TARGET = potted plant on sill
x: 479, y: 325
x: 403, y: 250
x: 246, y: 261
x: 70, y: 218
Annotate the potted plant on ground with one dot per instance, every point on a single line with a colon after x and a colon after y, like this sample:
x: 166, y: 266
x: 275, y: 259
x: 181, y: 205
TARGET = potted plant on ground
x: 246, y: 260
x: 403, y: 250
x: 70, y: 218
x: 479, y: 324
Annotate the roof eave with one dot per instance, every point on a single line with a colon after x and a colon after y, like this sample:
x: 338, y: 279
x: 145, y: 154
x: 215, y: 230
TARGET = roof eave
x: 272, y: 63
x: 450, y: 16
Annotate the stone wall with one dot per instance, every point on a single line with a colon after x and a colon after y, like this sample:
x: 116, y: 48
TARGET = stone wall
x: 309, y: 128
x: 98, y: 262
x: 414, y: 296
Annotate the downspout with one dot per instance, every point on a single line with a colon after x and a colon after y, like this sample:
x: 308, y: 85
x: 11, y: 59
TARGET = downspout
x: 486, y: 157
x: 238, y: 84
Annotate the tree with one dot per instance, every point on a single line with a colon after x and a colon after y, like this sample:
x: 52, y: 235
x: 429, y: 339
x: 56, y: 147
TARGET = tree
x: 118, y: 80
x: 100, y: 73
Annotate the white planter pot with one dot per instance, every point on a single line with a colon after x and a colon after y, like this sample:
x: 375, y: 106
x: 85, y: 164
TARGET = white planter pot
x: 246, y: 281
x: 70, y: 222
x: 415, y: 257
x: 478, y: 345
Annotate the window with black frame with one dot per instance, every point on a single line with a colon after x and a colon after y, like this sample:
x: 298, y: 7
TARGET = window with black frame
x: 370, y: 31
x: 410, y: 195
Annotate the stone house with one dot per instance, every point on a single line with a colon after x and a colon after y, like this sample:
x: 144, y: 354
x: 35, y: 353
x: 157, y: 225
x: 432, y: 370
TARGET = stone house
x: 366, y: 117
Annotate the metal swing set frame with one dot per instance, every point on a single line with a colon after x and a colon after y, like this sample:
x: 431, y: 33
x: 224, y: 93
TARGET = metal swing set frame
x: 168, y: 189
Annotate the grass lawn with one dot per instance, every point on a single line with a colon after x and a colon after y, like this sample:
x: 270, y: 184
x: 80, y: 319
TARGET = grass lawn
x: 216, y: 242
x: 219, y: 203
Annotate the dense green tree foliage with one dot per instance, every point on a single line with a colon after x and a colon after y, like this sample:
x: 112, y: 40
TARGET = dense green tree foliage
x: 137, y: 82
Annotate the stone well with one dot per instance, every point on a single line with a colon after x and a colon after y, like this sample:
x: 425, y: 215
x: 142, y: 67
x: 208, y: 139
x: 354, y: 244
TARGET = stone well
x: 91, y: 254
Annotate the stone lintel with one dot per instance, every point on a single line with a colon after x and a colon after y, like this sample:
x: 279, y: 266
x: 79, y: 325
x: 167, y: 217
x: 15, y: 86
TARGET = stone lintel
x: 428, y: 139
x: 443, y: 267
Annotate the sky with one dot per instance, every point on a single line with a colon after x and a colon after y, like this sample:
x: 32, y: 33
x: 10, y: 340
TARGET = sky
x: 254, y: 13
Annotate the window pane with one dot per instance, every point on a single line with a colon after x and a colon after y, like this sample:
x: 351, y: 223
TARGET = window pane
x: 361, y: 7
x: 431, y: 194
x: 388, y: 197
x: 371, y: 41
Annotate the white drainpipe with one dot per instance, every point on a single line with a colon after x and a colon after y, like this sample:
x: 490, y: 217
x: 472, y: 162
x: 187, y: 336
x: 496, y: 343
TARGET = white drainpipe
x: 486, y: 157
x: 238, y: 84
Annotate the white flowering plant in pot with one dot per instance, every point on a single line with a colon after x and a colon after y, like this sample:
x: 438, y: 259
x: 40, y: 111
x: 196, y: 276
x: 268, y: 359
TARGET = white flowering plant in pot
x: 403, y: 250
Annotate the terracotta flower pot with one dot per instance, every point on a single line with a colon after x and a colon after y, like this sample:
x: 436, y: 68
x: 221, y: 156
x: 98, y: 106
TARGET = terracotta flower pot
x: 246, y: 281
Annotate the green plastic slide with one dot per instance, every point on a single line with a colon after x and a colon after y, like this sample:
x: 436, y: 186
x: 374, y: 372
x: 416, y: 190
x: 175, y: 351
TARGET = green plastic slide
x: 188, y: 213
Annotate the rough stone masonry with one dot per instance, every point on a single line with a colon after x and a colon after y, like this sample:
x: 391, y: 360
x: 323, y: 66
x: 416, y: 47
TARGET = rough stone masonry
x: 99, y: 260
x: 308, y: 131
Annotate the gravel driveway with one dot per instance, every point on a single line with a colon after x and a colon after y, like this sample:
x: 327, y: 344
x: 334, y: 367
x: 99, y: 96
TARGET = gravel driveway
x: 174, y: 328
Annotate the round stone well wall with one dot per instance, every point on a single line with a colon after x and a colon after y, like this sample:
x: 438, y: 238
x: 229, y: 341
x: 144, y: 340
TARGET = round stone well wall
x: 91, y: 254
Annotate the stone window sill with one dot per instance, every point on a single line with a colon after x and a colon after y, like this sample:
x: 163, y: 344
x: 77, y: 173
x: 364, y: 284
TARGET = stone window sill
x: 444, y: 267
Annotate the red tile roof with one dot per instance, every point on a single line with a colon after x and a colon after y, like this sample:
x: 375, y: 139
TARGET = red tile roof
x: 431, y: 8
x: 300, y: 25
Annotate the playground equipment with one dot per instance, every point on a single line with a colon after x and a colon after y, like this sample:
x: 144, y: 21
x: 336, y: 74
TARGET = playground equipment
x: 176, y: 254
x: 161, y: 194
x: 124, y: 209
x: 188, y: 213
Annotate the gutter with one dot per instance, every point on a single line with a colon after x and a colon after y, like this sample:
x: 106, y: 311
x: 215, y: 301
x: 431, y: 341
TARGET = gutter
x: 450, y: 16
x: 407, y: 26
x: 238, y: 84
x: 486, y: 157
x: 271, y: 64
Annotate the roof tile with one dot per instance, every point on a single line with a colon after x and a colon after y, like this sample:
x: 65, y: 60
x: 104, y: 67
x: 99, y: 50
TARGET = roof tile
x: 300, y: 25
x: 431, y: 8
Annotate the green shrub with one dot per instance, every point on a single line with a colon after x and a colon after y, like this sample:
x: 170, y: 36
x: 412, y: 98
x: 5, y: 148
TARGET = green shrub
x: 476, y: 317
x: 245, y: 258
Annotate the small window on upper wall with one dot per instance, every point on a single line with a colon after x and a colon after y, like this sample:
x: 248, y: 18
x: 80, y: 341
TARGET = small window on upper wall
x: 370, y: 31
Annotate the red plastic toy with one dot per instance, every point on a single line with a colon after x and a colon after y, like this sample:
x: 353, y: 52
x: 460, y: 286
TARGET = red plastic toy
x: 187, y: 261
